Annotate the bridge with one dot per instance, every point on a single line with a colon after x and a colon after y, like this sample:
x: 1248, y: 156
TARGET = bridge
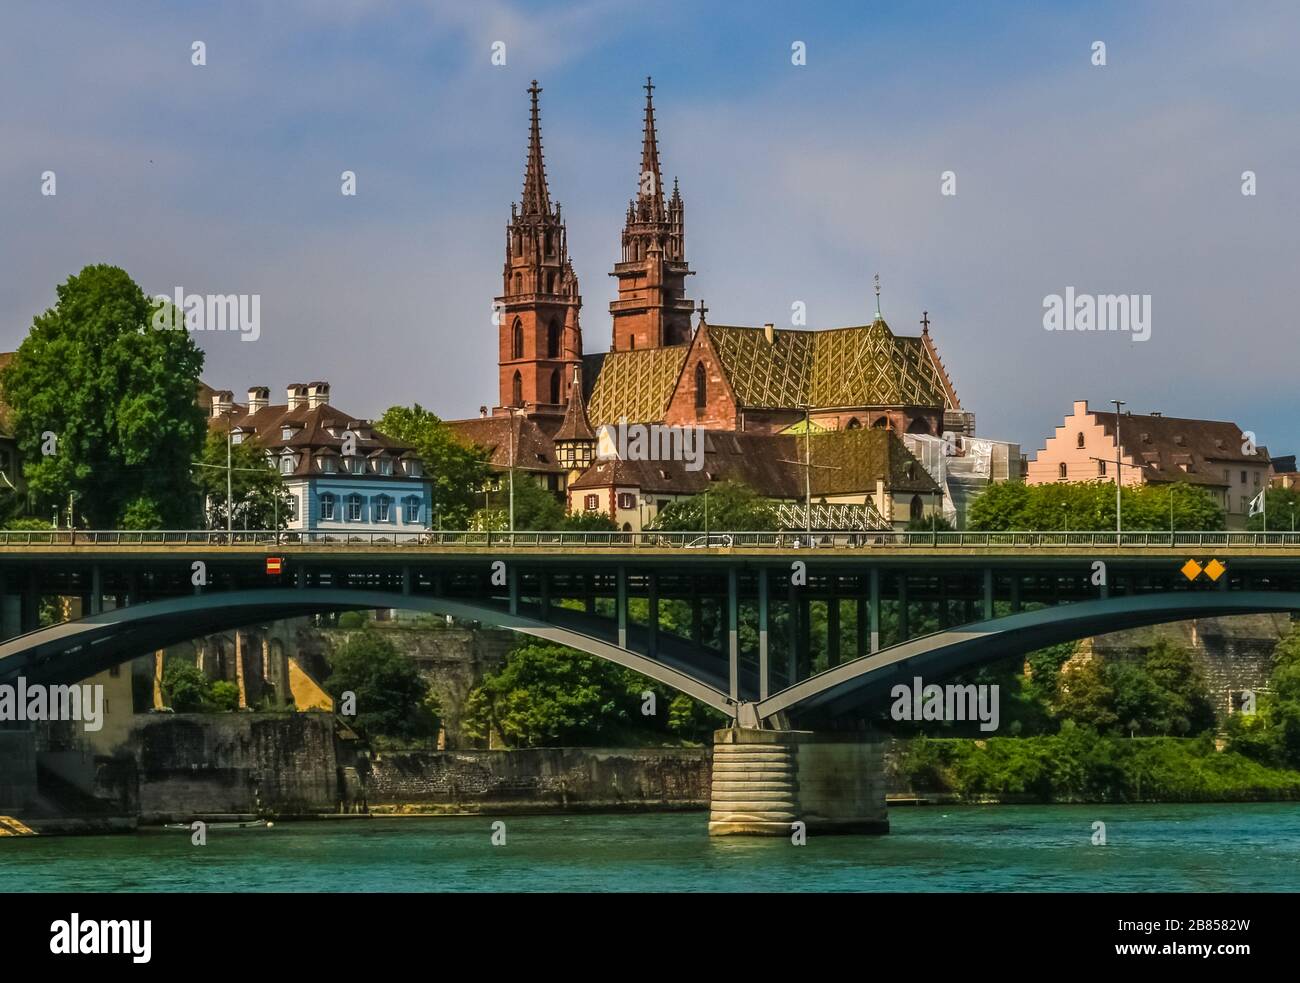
x: 786, y: 634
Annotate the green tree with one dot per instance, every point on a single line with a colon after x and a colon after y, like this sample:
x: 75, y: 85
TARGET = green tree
x: 588, y: 522
x: 931, y: 523
x: 392, y: 698
x: 731, y: 506
x: 456, y: 471
x: 104, y: 406
x: 1160, y: 694
x: 1272, y: 733
x: 184, y: 687
x: 256, y: 486
x: 552, y: 695
x: 536, y: 509
x: 223, y: 695
x: 1090, y: 506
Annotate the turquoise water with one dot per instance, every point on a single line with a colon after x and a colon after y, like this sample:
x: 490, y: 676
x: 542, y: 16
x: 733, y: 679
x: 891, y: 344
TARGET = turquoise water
x: 993, y: 848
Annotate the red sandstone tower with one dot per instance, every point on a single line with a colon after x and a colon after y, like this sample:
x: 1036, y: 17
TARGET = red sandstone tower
x: 540, y: 339
x: 652, y: 310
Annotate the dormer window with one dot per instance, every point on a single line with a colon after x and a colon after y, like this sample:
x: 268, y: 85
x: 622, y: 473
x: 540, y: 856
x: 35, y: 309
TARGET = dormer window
x: 236, y: 436
x: 327, y: 463
x: 414, y: 469
x: 356, y: 464
x: 286, y: 433
x: 287, y: 463
x: 383, y: 465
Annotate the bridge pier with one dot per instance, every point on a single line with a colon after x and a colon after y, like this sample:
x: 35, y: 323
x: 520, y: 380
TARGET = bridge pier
x: 764, y: 781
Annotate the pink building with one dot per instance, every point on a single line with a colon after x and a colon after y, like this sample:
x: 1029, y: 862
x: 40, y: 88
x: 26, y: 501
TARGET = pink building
x: 1217, y: 456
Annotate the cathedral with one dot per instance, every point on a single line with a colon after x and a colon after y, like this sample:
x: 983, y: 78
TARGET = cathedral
x: 854, y: 389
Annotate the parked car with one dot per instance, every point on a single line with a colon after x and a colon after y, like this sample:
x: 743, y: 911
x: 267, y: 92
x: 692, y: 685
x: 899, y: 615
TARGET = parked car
x: 710, y: 542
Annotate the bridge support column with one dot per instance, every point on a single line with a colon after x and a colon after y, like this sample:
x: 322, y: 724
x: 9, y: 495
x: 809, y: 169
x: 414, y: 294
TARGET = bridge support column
x: 621, y: 607
x: 652, y: 614
x: 763, y: 668
x: 874, y: 602
x: 765, y: 781
x: 733, y: 634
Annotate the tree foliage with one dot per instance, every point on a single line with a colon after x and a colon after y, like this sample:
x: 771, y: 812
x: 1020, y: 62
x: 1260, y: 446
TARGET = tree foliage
x: 551, y: 695
x: 1272, y: 733
x: 259, y: 492
x: 455, y: 471
x: 728, y: 505
x: 1160, y: 694
x: 392, y: 698
x: 113, y: 398
x: 1090, y: 506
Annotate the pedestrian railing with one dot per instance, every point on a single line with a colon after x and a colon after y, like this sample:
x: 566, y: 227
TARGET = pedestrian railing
x: 1013, y: 540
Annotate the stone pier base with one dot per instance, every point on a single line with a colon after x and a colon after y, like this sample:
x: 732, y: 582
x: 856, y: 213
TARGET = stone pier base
x: 764, y: 781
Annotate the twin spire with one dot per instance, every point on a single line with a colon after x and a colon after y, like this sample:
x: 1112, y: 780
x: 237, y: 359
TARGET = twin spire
x: 537, y: 198
x: 647, y: 206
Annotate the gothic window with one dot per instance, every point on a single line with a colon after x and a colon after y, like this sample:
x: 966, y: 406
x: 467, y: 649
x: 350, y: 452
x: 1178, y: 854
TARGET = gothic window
x: 918, y: 426
x: 555, y: 387
x: 917, y: 509
x: 882, y: 423
x: 517, y: 342
x: 517, y: 391
x: 854, y: 424
x: 519, y: 283
x: 701, y: 387
x: 1061, y: 471
x: 553, y: 341
x: 550, y: 283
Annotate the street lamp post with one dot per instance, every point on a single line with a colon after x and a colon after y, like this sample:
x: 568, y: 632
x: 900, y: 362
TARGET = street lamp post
x: 513, y: 410
x: 1119, y: 525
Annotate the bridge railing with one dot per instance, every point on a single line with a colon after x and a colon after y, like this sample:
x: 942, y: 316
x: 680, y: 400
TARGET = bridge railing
x: 648, y: 540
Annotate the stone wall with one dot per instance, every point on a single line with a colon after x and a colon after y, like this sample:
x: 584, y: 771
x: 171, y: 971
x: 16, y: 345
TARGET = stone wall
x: 233, y: 763
x: 17, y: 768
x: 538, y: 778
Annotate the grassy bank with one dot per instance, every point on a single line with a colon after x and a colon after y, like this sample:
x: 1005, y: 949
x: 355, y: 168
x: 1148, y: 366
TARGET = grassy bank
x: 1078, y: 766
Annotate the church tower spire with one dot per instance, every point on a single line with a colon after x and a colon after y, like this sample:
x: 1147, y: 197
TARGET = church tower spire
x: 652, y: 310
x: 539, y: 337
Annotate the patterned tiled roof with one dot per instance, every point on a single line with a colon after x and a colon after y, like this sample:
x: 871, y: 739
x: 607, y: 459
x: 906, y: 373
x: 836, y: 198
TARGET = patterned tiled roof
x: 844, y: 462
x: 858, y: 366
x: 1173, y: 448
x: 635, y: 385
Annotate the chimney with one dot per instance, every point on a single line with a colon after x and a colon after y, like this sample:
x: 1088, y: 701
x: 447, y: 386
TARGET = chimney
x: 259, y: 397
x: 222, y: 402
x: 296, y: 395
x: 318, y: 394
x: 769, y: 332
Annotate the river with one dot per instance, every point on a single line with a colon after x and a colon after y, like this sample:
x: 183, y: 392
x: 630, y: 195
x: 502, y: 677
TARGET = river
x: 1222, y: 847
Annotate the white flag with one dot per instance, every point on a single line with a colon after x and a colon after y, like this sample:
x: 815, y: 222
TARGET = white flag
x: 1257, y: 505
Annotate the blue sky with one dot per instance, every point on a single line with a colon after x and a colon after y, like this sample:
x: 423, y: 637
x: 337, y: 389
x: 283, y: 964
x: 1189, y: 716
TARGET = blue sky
x: 800, y: 182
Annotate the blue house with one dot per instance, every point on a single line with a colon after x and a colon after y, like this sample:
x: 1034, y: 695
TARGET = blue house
x: 344, y: 476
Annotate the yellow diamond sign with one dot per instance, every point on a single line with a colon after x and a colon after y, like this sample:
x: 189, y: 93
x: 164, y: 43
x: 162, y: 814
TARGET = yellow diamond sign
x: 1214, y: 569
x: 1191, y: 569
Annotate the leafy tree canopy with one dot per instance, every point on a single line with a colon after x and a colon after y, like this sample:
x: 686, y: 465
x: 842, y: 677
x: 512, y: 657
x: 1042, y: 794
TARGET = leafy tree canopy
x: 104, y: 406
x: 257, y: 488
x: 730, y: 506
x: 455, y: 471
x: 392, y: 698
x: 1090, y: 506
